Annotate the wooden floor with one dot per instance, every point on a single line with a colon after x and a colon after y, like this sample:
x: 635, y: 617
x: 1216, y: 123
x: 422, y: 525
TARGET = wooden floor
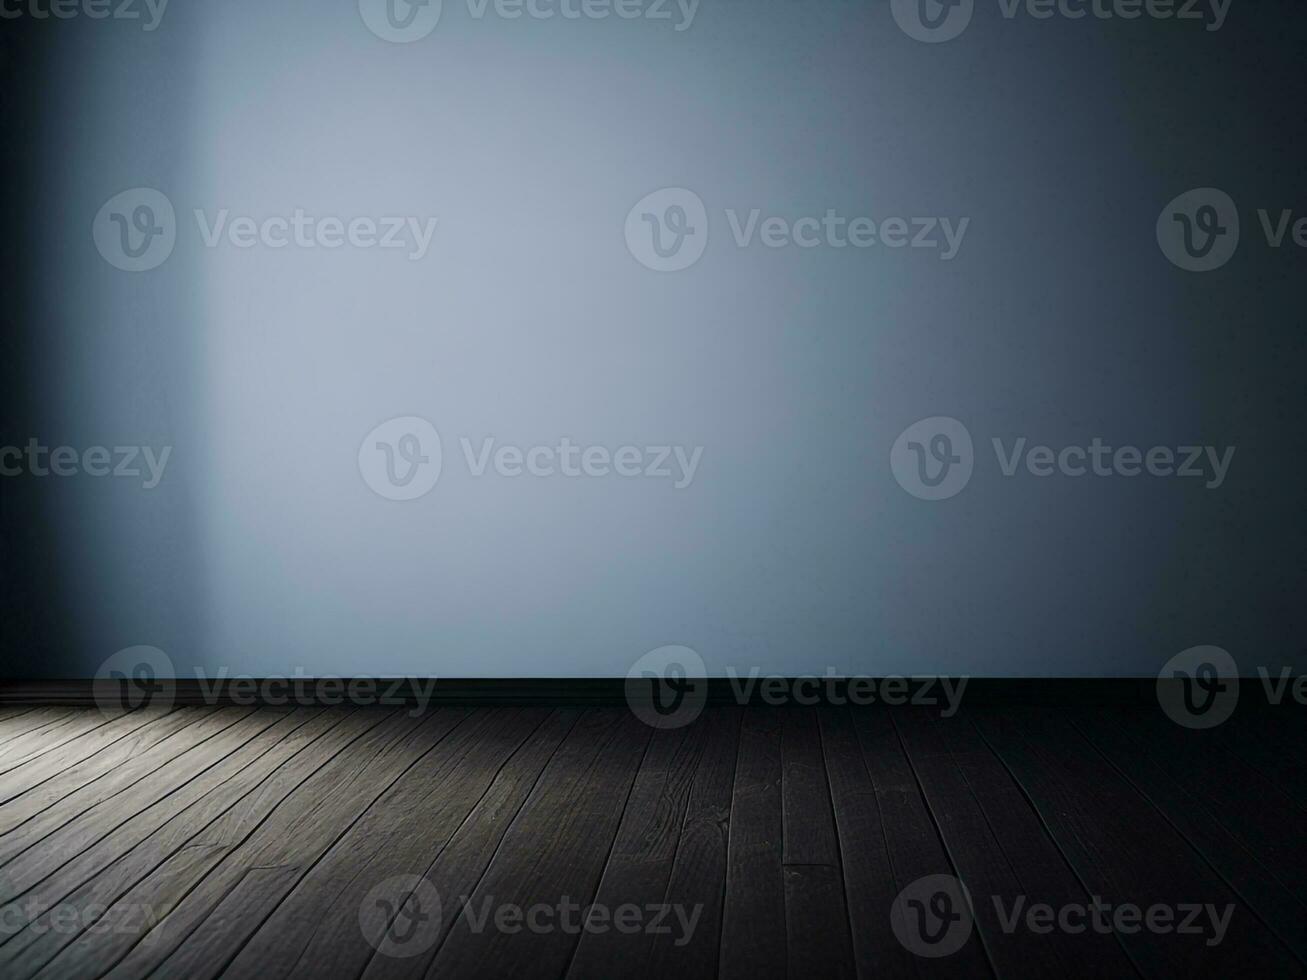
x: 754, y: 843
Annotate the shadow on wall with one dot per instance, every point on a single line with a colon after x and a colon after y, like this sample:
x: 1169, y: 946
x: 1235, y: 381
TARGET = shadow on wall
x: 100, y: 362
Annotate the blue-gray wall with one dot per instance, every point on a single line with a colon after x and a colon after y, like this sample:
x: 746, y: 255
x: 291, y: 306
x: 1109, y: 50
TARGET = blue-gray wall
x: 794, y: 548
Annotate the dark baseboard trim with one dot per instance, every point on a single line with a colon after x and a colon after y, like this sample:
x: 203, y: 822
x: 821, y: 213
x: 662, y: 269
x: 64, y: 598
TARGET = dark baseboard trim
x: 592, y: 691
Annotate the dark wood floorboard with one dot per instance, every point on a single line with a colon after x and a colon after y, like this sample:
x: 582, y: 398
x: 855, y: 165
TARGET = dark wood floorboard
x: 241, y: 849
x: 462, y: 862
x: 817, y: 934
x: 697, y: 884
x: 1124, y: 850
x: 753, y: 943
x: 109, y: 766
x: 201, y: 842
x: 1039, y: 868
x: 1244, y: 844
x: 640, y: 862
x: 180, y: 840
x: 1273, y: 742
x: 18, y: 778
x: 552, y: 858
x: 99, y: 876
x: 868, y: 875
x: 62, y: 834
x: 996, y: 841
x: 912, y: 837
x: 318, y: 921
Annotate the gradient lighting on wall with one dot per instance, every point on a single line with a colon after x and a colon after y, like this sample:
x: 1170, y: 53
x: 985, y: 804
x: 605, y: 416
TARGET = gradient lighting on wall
x: 527, y: 320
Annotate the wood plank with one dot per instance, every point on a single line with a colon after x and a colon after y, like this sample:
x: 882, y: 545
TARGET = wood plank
x: 316, y: 929
x: 1124, y: 850
x: 251, y: 900
x: 914, y: 845
x: 28, y: 775
x: 640, y: 862
x: 552, y: 855
x: 991, y: 874
x: 36, y: 743
x: 295, y: 833
x: 290, y: 750
x: 1032, y: 854
x: 19, y: 831
x: 867, y: 870
x: 463, y: 861
x: 255, y: 837
x: 1268, y: 742
x: 276, y: 760
x: 110, y: 769
x: 1270, y: 739
x: 32, y: 721
x: 817, y: 936
x: 753, y: 943
x: 32, y: 863
x: 697, y: 883
x: 1222, y: 831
